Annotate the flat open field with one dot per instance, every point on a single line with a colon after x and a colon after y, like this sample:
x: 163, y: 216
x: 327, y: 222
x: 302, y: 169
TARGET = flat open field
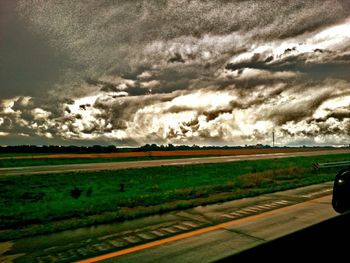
x: 20, y: 160
x: 165, y: 153
x: 47, y: 203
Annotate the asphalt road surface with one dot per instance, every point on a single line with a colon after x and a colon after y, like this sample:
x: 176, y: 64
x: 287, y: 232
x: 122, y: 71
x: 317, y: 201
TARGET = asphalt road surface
x: 214, y: 243
x: 138, y: 164
x: 200, y: 234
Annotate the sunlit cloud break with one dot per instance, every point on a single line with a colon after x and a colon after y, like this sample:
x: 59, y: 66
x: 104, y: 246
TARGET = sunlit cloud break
x: 180, y: 72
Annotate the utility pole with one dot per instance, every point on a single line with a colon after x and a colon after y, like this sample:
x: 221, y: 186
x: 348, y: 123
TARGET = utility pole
x: 273, y: 138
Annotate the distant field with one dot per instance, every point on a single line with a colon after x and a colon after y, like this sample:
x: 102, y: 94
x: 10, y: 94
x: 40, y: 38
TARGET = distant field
x: 47, y: 203
x: 26, y: 155
x: 17, y: 160
x: 14, y: 162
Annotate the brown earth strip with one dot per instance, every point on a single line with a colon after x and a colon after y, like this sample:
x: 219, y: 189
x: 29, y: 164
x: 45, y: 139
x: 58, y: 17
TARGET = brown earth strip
x: 216, y: 152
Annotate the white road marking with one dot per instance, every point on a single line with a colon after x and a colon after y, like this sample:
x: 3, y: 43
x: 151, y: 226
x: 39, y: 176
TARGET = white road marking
x: 132, y: 239
x: 191, y: 224
x: 158, y: 233
x: 169, y: 230
x: 258, y: 208
x: 181, y: 227
x: 235, y: 214
x: 282, y: 202
x: 251, y: 209
x: 273, y: 204
x: 254, y: 209
x: 109, y: 236
x: 242, y: 211
x: 264, y: 206
x: 145, y: 236
x: 228, y: 216
x: 117, y: 243
x: 319, y: 192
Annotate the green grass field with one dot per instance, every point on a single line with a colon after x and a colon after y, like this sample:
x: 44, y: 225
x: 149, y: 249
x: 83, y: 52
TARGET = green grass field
x: 46, y: 203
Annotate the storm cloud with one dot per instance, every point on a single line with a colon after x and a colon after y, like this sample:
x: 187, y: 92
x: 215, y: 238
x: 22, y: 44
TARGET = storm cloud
x: 180, y: 71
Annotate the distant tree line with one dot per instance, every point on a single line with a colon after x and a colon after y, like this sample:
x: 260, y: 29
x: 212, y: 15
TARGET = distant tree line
x: 91, y: 149
x: 58, y: 149
x: 112, y: 148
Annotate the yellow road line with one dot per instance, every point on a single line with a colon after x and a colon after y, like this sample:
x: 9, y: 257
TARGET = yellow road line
x: 197, y: 232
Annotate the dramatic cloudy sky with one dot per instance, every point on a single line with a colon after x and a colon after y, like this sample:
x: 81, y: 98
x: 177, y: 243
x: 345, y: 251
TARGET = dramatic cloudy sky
x: 206, y: 72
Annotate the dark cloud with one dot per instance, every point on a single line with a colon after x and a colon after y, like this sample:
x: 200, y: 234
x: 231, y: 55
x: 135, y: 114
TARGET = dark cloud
x: 282, y: 115
x: 29, y: 65
x: 109, y: 87
x: 129, y: 26
x: 340, y: 115
x: 332, y: 66
x: 174, y: 71
x: 176, y: 58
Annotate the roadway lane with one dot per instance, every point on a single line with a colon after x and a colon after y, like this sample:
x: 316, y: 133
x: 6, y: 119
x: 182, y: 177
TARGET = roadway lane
x: 214, y: 243
x: 139, y: 164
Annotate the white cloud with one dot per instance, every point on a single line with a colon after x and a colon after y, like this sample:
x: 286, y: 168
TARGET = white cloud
x: 150, y: 84
x: 40, y: 114
x: 7, y: 105
x: 204, y: 100
x: 333, y: 37
x: 331, y: 105
x: 144, y: 75
x: 330, y: 42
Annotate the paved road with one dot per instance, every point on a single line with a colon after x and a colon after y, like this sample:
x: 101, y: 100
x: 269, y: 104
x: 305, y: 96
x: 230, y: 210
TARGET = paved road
x: 228, y: 238
x: 139, y: 164
x: 200, y: 234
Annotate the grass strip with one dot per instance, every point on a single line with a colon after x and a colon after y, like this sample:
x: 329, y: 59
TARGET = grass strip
x: 38, y: 204
x: 13, y: 162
